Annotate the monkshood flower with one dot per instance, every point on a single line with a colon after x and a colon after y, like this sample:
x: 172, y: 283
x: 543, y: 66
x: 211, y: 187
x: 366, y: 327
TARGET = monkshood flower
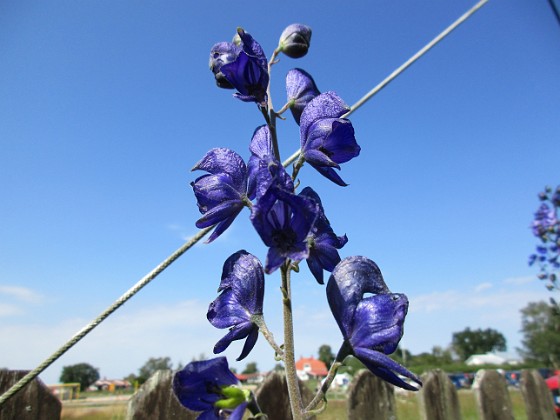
x: 209, y: 386
x: 545, y: 219
x: 295, y: 40
x: 326, y: 139
x: 300, y: 90
x: 244, y: 66
x: 263, y: 167
x: 323, y: 243
x: 284, y: 220
x: 372, y: 326
x: 242, y: 293
x: 222, y: 193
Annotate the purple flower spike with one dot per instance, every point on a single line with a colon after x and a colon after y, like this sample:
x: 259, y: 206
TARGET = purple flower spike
x: 300, y: 89
x: 248, y: 73
x: 323, y: 243
x: 222, y: 193
x: 326, y: 139
x: 242, y: 293
x: 372, y: 326
x: 283, y: 221
x: 263, y: 167
x: 203, y: 385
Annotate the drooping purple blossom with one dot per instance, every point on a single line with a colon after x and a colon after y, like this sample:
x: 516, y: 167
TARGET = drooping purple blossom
x: 242, y: 293
x: 283, y: 220
x: 203, y: 385
x: 263, y: 167
x: 222, y: 193
x: 300, y: 90
x: 323, y: 243
x: 326, y: 139
x: 248, y: 72
x: 295, y: 40
x: 372, y: 326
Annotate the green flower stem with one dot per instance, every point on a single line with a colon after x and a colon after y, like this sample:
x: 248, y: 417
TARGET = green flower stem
x: 296, y: 402
x: 259, y: 321
x: 271, y: 122
x: 321, y: 395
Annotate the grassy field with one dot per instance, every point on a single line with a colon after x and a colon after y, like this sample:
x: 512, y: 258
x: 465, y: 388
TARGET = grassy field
x: 407, y: 408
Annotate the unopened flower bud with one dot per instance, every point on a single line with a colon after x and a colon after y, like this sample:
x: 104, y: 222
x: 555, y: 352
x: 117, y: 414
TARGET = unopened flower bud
x: 295, y: 40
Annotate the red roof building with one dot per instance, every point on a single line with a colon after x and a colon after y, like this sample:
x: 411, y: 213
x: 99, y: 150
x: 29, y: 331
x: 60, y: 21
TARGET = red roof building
x: 310, y: 367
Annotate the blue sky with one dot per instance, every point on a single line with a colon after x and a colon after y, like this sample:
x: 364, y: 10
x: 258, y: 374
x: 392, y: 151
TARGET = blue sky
x: 105, y: 107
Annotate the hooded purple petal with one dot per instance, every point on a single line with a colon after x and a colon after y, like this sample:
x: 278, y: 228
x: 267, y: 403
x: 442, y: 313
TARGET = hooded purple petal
x: 300, y: 90
x: 222, y: 193
x: 326, y: 139
x: 349, y: 281
x: 326, y: 105
x: 242, y: 294
x: 263, y: 167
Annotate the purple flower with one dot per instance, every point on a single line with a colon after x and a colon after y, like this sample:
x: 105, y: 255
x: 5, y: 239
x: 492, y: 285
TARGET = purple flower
x: 326, y: 139
x: 323, y: 243
x: 545, y: 218
x: 242, y: 293
x: 209, y: 386
x: 300, y: 90
x: 263, y: 167
x: 222, y: 193
x: 283, y: 220
x: 295, y: 40
x: 372, y: 326
x: 245, y: 67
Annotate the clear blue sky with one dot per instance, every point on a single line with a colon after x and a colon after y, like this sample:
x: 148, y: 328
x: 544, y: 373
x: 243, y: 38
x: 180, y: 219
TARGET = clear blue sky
x: 105, y: 106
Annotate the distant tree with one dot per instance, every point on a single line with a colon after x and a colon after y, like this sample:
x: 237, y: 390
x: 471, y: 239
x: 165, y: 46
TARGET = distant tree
x: 468, y: 342
x: 540, y: 327
x: 151, y: 366
x: 278, y: 367
x: 83, y: 373
x: 442, y: 356
x: 326, y: 355
x: 250, y: 368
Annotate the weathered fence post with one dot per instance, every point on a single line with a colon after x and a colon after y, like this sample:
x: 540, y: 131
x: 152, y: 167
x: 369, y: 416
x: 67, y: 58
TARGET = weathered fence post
x: 155, y: 400
x: 34, y: 402
x: 492, y: 396
x: 272, y: 396
x: 369, y: 397
x: 438, y: 397
x: 538, y: 398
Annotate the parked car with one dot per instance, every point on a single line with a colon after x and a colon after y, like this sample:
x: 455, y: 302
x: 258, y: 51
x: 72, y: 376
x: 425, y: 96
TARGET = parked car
x: 552, y: 384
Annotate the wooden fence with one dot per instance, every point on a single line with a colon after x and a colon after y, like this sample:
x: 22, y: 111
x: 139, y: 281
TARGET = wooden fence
x: 368, y: 397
